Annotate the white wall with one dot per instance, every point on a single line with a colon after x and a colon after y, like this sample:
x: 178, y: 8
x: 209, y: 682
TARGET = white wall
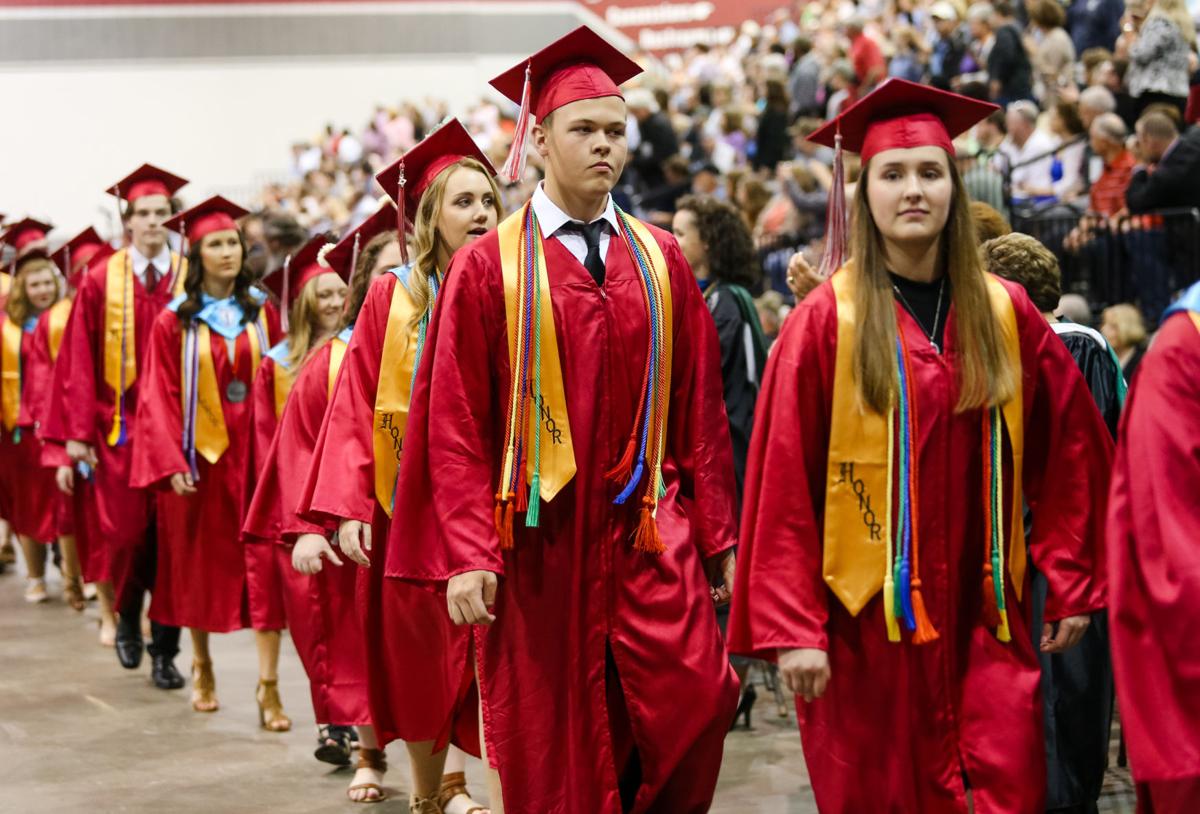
x: 220, y: 123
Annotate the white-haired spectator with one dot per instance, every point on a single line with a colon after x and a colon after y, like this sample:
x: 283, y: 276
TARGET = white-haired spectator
x: 1028, y: 150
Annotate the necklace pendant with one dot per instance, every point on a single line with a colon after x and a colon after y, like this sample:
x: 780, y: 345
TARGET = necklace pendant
x: 937, y: 348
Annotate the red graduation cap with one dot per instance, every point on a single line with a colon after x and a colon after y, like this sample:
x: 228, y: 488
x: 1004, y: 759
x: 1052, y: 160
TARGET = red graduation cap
x: 580, y: 65
x: 80, y: 252
x: 899, y: 115
x: 298, y: 269
x: 214, y: 215
x: 406, y: 180
x: 343, y: 258
x: 146, y: 180
x: 24, y: 233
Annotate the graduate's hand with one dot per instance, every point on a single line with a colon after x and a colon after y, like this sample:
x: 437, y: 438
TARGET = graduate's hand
x: 723, y: 565
x: 64, y: 478
x: 182, y: 484
x: 354, y: 539
x: 1070, y: 632
x: 308, y: 551
x: 805, y: 671
x: 78, y: 451
x: 802, y: 278
x: 471, y: 596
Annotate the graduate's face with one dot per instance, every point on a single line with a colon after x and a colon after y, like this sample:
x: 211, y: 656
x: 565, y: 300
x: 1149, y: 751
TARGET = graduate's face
x: 145, y: 223
x: 584, y: 145
x: 41, y: 288
x: 693, y: 248
x: 221, y: 254
x: 468, y: 208
x: 331, y: 297
x: 909, y: 192
x: 389, y: 257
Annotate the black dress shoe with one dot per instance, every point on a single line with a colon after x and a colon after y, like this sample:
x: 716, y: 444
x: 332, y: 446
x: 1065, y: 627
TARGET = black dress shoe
x: 129, y: 643
x: 164, y: 674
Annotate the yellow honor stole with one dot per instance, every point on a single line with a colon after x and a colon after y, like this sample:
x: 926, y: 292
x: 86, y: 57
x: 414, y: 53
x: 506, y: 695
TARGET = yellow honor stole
x: 403, y: 345
x: 872, y: 522
x: 120, y: 341
x: 337, y: 352
x: 60, y: 312
x: 282, y: 376
x: 539, y: 457
x: 10, y: 373
x: 204, y: 430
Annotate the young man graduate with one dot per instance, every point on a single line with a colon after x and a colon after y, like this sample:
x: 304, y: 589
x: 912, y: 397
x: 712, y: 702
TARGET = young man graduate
x: 94, y: 407
x: 567, y: 473
x: 1153, y: 550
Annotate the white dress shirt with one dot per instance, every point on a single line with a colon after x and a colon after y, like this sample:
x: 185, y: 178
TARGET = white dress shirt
x: 140, y: 262
x: 551, y: 219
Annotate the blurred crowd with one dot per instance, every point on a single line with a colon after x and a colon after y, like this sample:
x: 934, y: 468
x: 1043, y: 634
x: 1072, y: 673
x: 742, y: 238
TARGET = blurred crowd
x: 1094, y: 95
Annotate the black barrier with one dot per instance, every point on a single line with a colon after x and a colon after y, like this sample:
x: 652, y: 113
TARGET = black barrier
x: 1143, y: 259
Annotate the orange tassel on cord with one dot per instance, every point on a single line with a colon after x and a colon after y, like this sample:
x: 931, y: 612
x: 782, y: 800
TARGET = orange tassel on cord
x: 647, y: 540
x: 503, y: 520
x: 925, y: 631
x: 991, y: 613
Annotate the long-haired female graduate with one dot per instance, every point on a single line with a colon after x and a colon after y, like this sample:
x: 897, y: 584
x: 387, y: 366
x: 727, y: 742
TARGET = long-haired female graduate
x: 910, y: 408
x: 204, y: 351
x: 75, y: 516
x: 445, y: 185
x: 320, y: 601
x: 313, y: 295
x: 28, y: 496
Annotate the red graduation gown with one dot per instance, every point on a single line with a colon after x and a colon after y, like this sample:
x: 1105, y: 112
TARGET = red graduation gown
x: 201, y: 574
x: 28, y: 494
x: 321, y: 609
x: 900, y: 725
x: 264, y: 579
x: 575, y: 588
x: 418, y: 669
x: 1154, y: 561
x: 81, y: 409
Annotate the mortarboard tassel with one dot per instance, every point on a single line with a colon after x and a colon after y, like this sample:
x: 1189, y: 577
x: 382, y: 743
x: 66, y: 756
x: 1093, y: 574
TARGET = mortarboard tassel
x: 284, y: 322
x: 183, y: 250
x: 401, y: 213
x: 834, y: 253
x: 514, y: 165
x: 353, y: 267
x: 120, y: 220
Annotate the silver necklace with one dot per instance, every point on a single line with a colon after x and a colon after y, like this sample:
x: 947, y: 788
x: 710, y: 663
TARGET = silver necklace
x: 937, y: 314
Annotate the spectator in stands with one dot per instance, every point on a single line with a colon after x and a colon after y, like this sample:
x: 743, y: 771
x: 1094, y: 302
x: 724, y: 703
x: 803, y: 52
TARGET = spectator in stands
x: 707, y: 181
x: 842, y: 82
x: 1075, y: 307
x: 1010, y: 73
x: 989, y: 223
x: 1124, y: 328
x: 1053, y: 51
x: 866, y: 58
x: 1028, y: 150
x: 658, y: 141
x: 771, y: 139
x: 945, y: 61
x: 283, y: 235
x: 1157, y: 38
x: 1094, y: 23
x: 1093, y: 101
x: 909, y: 54
x: 805, y: 79
x: 1067, y: 169
x: 659, y: 204
x: 771, y: 311
x: 1168, y: 166
x: 983, y: 170
x: 1107, y: 137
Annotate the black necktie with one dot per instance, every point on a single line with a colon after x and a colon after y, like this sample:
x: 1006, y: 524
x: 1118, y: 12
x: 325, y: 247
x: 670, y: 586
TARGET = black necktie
x: 592, y: 232
x: 151, y: 277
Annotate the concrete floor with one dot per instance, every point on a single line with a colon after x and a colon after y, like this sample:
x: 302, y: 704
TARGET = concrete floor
x: 80, y: 734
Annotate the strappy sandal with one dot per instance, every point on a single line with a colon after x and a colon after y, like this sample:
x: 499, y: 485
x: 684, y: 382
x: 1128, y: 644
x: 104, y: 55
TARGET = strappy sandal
x: 423, y: 805
x: 333, y: 744
x: 204, y: 687
x: 375, y: 760
x: 453, y: 785
x: 73, y: 593
x: 270, y: 707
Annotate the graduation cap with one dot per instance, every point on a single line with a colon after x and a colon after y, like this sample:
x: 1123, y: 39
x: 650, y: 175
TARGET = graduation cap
x: 25, y: 233
x: 146, y: 180
x: 581, y: 65
x: 897, y: 115
x: 78, y: 253
x: 217, y: 214
x: 298, y: 269
x: 406, y: 180
x: 343, y: 258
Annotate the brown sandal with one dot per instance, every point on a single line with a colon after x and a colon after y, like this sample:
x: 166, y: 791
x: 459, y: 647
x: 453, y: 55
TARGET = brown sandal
x: 204, y: 687
x: 270, y: 707
x: 376, y: 760
x: 423, y: 805
x: 454, y: 784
